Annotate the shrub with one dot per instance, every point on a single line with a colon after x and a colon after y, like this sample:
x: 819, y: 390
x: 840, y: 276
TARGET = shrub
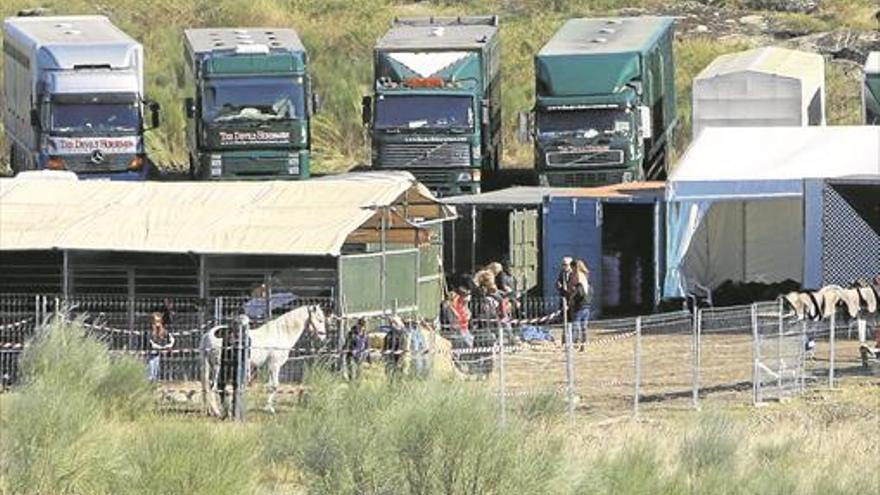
x: 189, y: 458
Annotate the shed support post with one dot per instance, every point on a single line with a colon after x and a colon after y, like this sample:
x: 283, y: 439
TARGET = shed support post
x: 473, y: 238
x: 203, y: 289
x: 383, y: 273
x: 65, y: 274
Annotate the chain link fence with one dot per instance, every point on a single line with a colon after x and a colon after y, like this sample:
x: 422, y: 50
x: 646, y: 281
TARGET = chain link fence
x: 533, y: 359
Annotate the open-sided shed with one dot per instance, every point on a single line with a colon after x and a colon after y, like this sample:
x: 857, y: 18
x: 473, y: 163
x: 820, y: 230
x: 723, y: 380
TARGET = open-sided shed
x: 366, y: 240
x: 618, y: 230
x: 762, y: 87
x: 774, y: 204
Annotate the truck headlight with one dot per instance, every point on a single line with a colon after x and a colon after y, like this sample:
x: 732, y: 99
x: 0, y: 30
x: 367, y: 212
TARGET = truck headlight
x: 216, y: 165
x: 293, y: 163
x: 463, y: 177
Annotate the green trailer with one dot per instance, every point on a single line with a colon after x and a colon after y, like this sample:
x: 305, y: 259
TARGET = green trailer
x: 435, y: 110
x: 251, y: 104
x: 871, y: 92
x: 604, y: 102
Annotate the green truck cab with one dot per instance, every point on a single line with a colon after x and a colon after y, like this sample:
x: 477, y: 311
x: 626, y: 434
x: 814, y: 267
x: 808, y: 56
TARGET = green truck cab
x: 252, y: 100
x: 436, y: 106
x: 604, y: 102
x: 871, y: 91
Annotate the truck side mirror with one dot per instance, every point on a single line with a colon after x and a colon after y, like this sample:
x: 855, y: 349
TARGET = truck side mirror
x: 367, y: 110
x: 317, y: 103
x: 647, y: 130
x: 154, y: 114
x: 35, y: 117
x: 189, y: 108
x: 524, y: 127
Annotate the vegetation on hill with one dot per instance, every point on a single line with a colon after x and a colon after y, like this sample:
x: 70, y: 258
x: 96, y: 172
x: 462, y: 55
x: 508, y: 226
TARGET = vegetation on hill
x: 340, y: 35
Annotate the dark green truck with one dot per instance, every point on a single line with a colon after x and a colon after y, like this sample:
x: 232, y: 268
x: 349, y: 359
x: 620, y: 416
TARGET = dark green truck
x: 252, y: 100
x: 871, y: 91
x: 436, y: 106
x: 604, y: 102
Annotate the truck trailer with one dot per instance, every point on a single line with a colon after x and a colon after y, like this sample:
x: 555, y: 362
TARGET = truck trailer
x: 436, y: 106
x: 251, y: 104
x: 74, y: 97
x: 604, y: 102
x: 871, y: 91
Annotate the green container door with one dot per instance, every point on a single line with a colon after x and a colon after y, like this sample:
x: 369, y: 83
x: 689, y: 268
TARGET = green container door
x: 524, y: 247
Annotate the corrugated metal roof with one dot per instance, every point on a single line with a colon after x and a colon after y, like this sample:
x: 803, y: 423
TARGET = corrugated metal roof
x: 439, y: 33
x: 512, y: 196
x: 770, y: 60
x: 872, y: 65
x: 622, y: 190
x: 274, y: 217
x: 606, y: 35
x: 206, y: 40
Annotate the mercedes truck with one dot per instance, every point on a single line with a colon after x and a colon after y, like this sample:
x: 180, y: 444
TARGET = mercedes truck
x: 435, y: 110
x: 250, y: 106
x: 74, y: 97
x: 604, y: 102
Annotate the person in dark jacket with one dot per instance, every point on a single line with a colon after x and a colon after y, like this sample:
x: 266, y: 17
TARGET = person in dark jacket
x: 229, y: 359
x: 563, y: 280
x: 394, y: 346
x: 357, y: 348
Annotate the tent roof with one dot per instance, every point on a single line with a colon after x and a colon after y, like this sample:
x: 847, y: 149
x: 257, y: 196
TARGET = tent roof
x: 313, y: 217
x: 761, y: 162
x: 872, y: 65
x: 624, y: 190
x: 770, y: 60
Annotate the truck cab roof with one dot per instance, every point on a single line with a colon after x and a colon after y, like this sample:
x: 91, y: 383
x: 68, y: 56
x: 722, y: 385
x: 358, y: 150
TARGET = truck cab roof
x: 440, y: 33
x: 71, y: 41
x: 209, y: 40
x: 606, y: 35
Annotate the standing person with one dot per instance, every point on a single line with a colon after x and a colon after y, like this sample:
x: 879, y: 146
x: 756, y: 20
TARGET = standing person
x: 357, y: 348
x: 508, y: 284
x: 229, y: 360
x: 394, y: 346
x: 581, y: 300
x: 461, y: 301
x: 160, y: 340
x: 167, y: 312
x: 563, y: 279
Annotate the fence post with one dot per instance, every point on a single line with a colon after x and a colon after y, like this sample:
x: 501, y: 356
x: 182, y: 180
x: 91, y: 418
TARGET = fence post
x: 637, y: 357
x: 698, y: 329
x: 569, y: 359
x: 502, y: 386
x: 756, y: 356
x: 238, y: 397
x: 832, y: 343
x: 780, y: 364
x: 802, y: 364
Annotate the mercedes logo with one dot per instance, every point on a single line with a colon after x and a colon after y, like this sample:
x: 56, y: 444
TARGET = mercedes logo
x: 97, y: 157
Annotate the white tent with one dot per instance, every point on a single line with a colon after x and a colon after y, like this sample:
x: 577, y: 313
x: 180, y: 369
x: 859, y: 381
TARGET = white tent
x: 763, y: 87
x: 736, y: 200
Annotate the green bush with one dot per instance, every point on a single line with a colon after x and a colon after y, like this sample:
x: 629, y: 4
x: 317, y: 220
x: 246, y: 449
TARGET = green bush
x: 191, y: 458
x: 419, y: 437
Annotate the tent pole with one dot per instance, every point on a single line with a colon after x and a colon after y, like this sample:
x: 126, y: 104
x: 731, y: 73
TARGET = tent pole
x: 65, y: 274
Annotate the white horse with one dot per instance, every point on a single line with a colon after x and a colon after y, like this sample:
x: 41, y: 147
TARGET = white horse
x: 270, y: 346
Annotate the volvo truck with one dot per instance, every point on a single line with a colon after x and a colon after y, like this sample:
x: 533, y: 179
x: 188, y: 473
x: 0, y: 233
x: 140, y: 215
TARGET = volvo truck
x: 435, y: 110
x: 604, y: 102
x: 250, y: 106
x: 74, y: 97
x: 871, y: 90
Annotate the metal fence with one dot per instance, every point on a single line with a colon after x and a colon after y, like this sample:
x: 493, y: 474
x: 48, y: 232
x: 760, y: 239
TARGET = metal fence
x: 677, y: 360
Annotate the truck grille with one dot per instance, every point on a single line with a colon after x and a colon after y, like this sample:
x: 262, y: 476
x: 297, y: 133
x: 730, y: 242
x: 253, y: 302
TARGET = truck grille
x: 84, y: 164
x: 406, y: 155
x: 588, y: 158
x: 583, y: 179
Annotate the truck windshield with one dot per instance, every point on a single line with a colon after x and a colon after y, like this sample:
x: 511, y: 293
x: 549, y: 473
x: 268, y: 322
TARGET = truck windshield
x: 601, y: 120
x: 70, y: 117
x: 424, y: 111
x: 229, y: 100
